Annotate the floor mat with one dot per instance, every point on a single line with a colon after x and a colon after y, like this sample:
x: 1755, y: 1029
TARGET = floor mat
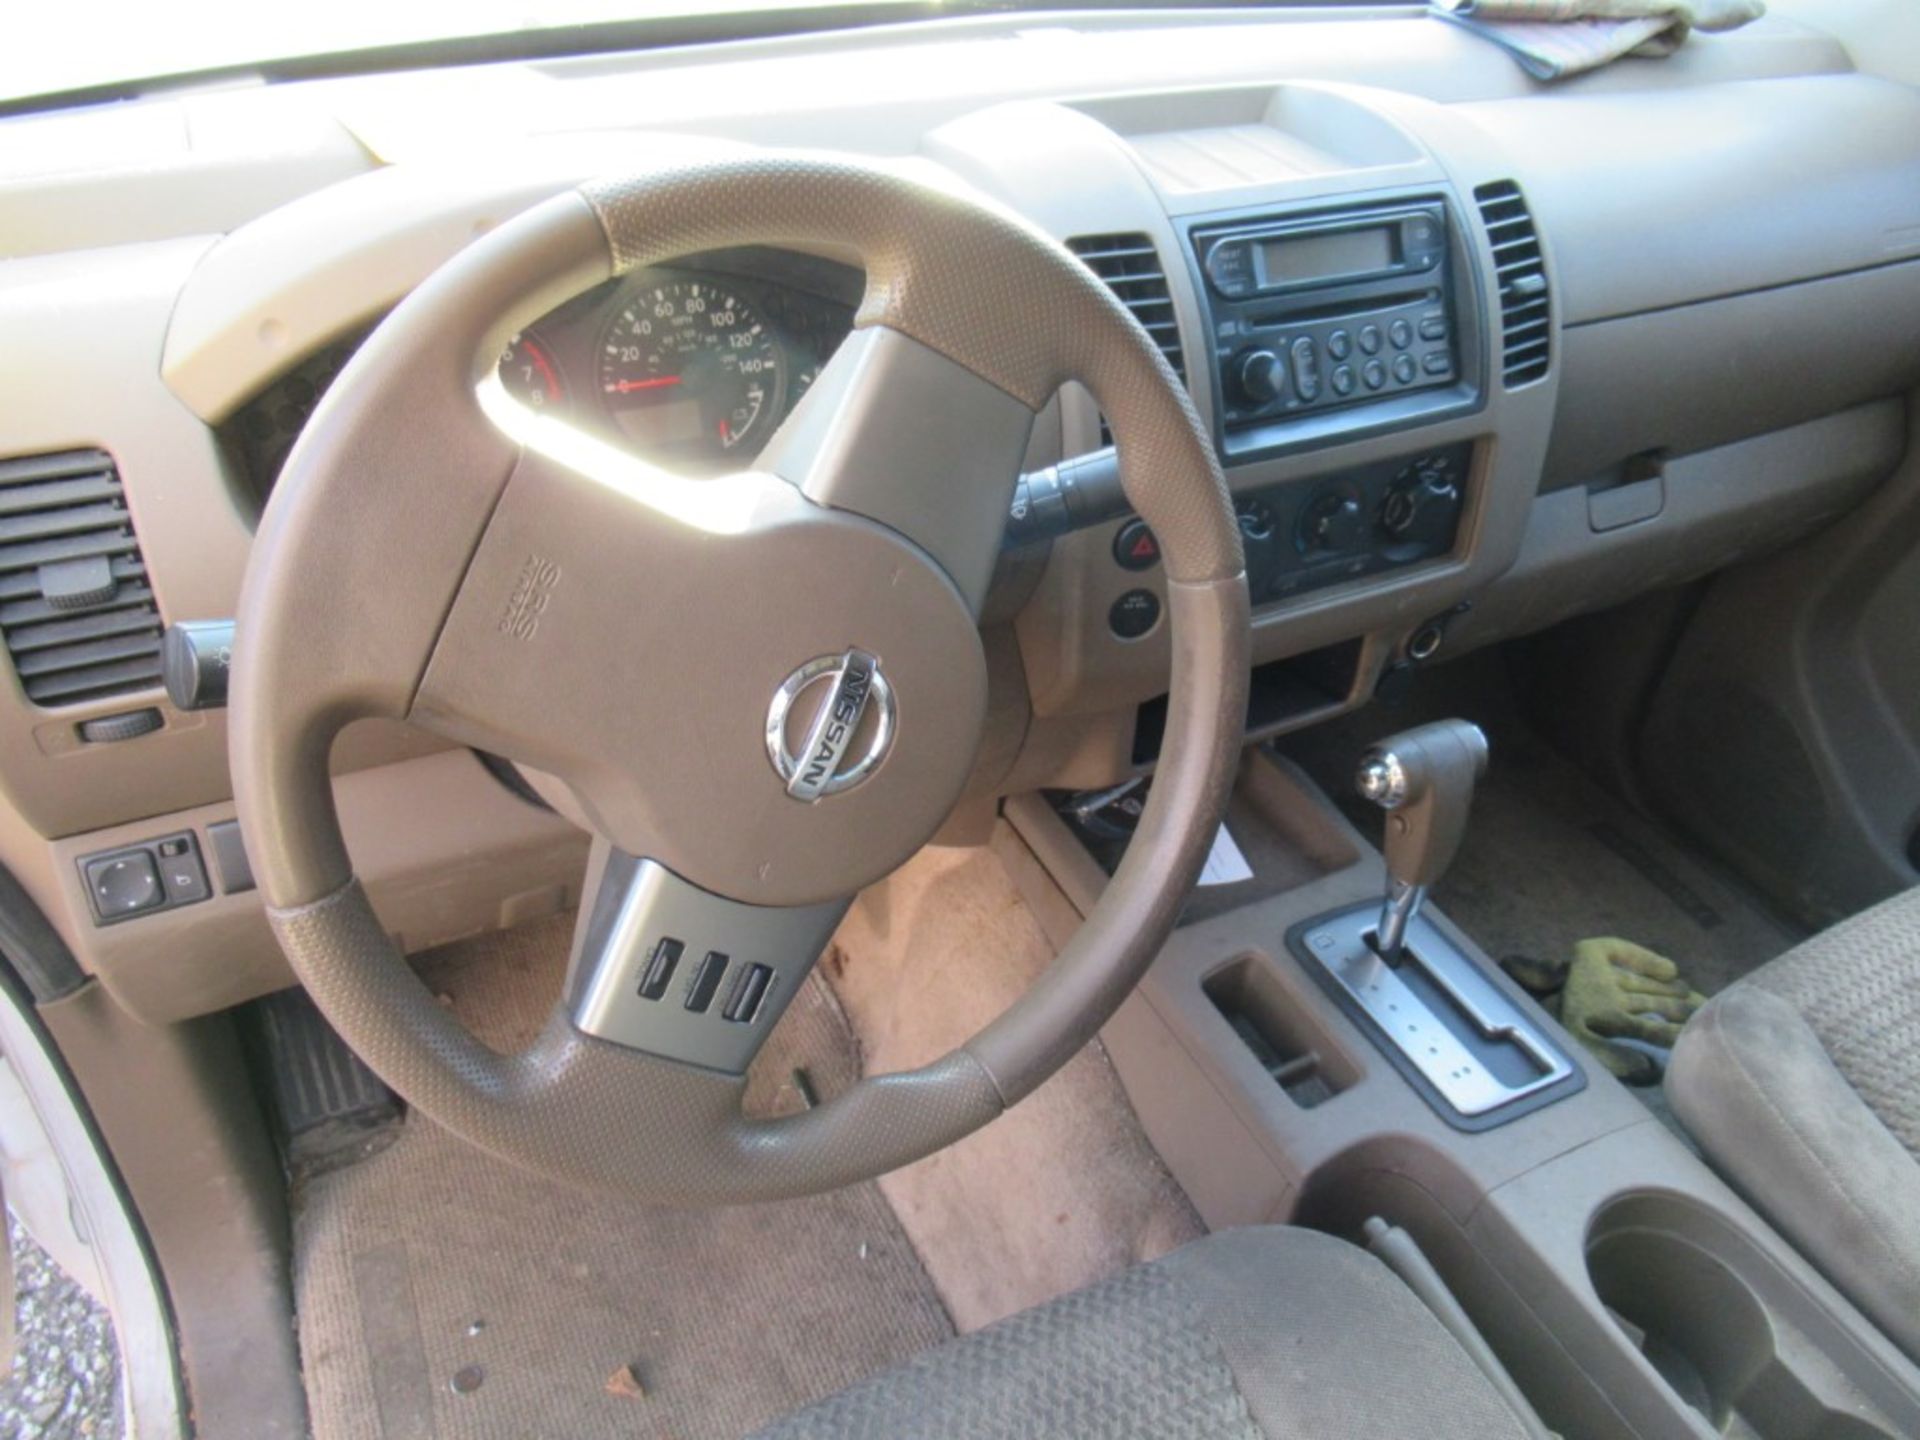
x: 445, y: 1294
x: 1550, y: 859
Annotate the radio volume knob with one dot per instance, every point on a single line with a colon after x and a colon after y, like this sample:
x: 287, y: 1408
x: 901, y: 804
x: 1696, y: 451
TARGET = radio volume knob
x: 1262, y: 375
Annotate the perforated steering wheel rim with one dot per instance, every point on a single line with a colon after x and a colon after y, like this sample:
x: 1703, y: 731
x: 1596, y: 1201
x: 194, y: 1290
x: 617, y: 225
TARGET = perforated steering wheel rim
x: 431, y: 555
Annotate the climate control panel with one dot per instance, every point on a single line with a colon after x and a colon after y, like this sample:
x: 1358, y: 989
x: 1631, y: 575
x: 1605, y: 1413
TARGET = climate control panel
x: 1299, y: 535
x: 1304, y: 535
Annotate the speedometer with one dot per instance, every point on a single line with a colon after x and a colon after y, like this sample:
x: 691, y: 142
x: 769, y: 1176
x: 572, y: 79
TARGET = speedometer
x: 690, y: 373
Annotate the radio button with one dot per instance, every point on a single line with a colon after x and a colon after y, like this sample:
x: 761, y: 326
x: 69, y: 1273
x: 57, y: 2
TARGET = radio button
x: 1342, y: 379
x: 1375, y: 374
x: 1262, y: 377
x: 1306, y: 369
x: 1401, y: 334
x: 1230, y: 267
x: 1339, y: 345
x: 1403, y: 369
x: 1433, y: 327
x: 1370, y: 339
x: 1437, y: 362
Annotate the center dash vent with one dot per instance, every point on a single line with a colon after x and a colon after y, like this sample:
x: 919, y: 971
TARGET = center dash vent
x: 75, y: 607
x: 1525, y: 322
x: 1131, y: 268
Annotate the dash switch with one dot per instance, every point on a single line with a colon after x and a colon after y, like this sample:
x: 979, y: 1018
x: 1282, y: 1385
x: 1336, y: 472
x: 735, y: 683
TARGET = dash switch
x: 230, y: 856
x: 659, y: 971
x: 749, y: 989
x: 181, y: 871
x: 706, y: 982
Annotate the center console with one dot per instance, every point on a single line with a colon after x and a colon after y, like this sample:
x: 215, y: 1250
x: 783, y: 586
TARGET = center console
x: 1626, y: 1289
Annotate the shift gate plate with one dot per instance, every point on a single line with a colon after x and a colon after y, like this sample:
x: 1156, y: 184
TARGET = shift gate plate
x: 1486, y: 1056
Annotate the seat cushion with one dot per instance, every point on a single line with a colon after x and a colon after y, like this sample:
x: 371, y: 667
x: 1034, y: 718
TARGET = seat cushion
x: 1802, y: 1084
x: 1246, y: 1334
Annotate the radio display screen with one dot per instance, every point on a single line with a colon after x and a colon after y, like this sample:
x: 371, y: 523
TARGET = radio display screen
x: 1326, y: 255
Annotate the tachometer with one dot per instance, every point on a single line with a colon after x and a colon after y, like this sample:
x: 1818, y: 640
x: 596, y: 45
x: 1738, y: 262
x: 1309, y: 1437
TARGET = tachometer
x: 531, y: 374
x: 691, y: 373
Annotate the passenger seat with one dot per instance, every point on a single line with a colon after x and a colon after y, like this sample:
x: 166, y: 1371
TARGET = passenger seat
x: 1802, y: 1084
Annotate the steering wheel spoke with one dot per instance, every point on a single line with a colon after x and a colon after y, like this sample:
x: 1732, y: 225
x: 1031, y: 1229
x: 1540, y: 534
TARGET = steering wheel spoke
x: 664, y: 967
x: 897, y: 432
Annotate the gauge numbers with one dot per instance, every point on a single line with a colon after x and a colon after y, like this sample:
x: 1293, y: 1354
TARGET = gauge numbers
x: 531, y: 374
x: 691, y: 373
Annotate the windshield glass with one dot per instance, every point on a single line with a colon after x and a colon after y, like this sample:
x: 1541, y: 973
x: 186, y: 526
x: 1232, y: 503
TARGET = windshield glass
x: 55, y: 48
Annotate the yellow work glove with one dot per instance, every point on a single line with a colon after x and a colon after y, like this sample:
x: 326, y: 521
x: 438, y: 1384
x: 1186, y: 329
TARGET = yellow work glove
x: 1616, y: 989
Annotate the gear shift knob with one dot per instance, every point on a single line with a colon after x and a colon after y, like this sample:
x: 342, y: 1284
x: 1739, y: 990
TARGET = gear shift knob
x: 1424, y: 780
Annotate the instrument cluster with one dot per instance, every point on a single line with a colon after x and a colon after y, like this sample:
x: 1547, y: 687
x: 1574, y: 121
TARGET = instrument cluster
x: 694, y: 365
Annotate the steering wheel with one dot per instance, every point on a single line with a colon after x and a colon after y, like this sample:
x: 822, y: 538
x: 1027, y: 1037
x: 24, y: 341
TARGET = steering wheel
x: 765, y: 691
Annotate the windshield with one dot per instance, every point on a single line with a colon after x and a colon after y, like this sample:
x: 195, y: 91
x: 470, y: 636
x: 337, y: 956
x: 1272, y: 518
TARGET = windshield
x: 107, y: 46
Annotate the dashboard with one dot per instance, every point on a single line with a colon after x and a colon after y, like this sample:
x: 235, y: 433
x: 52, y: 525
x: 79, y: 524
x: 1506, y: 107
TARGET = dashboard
x: 1478, y: 355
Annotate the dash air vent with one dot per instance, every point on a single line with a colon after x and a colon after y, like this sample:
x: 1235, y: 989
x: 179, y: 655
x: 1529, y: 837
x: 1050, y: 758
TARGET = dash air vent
x: 75, y: 607
x: 1525, y: 324
x: 1131, y: 267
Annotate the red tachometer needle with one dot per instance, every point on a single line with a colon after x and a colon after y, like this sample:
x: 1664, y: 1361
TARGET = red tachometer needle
x: 658, y: 382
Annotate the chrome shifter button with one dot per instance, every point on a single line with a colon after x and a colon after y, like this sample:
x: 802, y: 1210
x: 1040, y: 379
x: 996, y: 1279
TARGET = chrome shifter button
x: 1382, y: 780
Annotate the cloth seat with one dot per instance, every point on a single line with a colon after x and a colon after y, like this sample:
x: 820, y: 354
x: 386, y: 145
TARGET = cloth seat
x: 1802, y: 1084
x: 1246, y: 1334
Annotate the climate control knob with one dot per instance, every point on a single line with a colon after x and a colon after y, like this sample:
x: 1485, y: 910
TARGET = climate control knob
x: 1420, y: 505
x: 1262, y: 375
x: 1331, y: 523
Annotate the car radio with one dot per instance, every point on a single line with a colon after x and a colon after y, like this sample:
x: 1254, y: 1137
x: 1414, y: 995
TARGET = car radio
x: 1312, y: 312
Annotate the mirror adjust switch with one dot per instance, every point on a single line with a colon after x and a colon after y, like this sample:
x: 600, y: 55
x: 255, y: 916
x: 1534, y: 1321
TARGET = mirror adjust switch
x: 124, y: 884
x: 158, y: 874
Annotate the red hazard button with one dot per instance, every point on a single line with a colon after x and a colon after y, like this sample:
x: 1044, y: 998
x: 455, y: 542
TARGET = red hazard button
x: 1136, y: 547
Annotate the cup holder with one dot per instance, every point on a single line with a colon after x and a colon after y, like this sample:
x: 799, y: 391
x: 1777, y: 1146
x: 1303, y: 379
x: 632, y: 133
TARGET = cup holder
x: 1733, y: 1335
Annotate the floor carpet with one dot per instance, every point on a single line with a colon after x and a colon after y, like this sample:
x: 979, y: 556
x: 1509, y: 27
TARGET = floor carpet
x: 444, y: 1294
x: 1549, y: 857
x: 1061, y: 1191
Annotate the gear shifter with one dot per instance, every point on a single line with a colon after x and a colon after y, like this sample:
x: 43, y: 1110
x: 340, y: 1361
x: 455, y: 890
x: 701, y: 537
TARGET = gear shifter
x: 1423, y: 779
x: 1477, y: 1053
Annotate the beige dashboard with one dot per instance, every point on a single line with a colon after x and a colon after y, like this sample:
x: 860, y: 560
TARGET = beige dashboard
x: 1730, y: 245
